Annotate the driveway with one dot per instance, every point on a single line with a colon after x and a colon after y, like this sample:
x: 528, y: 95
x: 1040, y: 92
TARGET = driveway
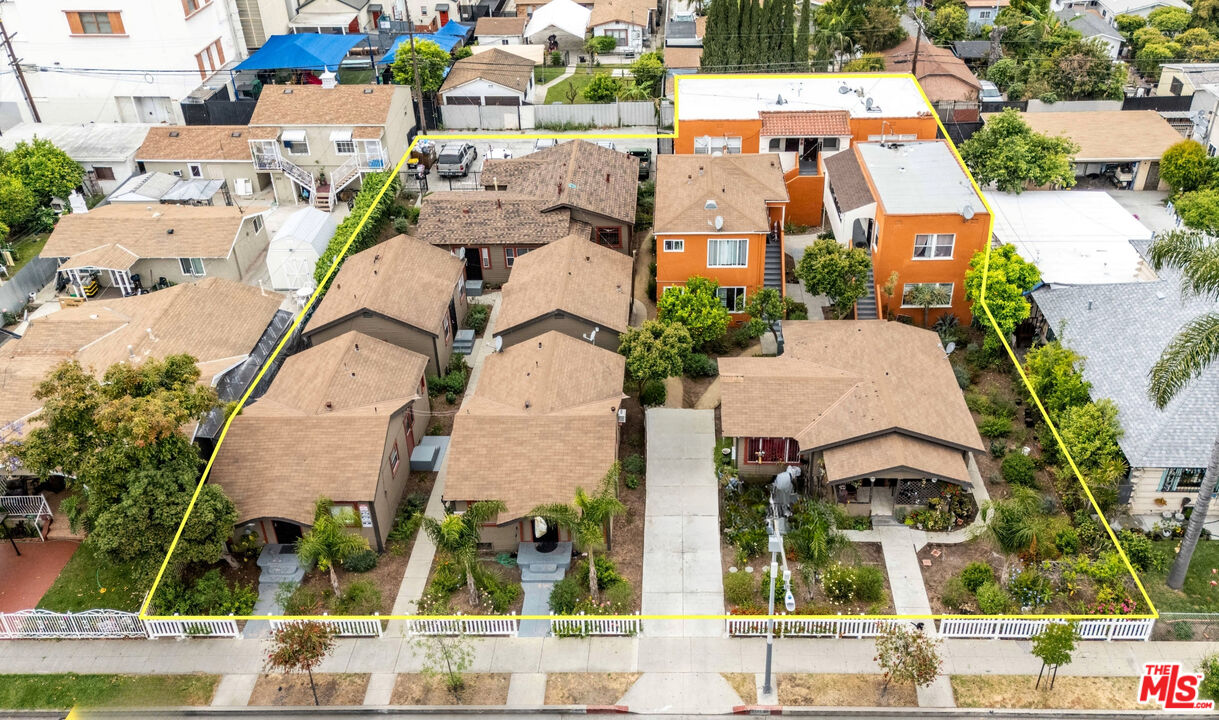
x: 681, y: 539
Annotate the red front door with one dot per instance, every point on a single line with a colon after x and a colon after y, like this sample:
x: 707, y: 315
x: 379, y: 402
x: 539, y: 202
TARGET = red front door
x: 354, y: 27
x: 444, y: 17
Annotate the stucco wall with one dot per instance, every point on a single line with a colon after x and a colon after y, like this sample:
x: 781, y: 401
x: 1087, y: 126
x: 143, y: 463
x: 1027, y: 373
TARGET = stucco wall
x: 566, y: 324
x: 385, y: 329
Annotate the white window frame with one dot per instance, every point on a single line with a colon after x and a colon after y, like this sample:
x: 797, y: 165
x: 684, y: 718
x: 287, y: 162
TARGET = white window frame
x: 740, y: 303
x: 936, y: 243
x: 906, y: 137
x: 195, y: 169
x: 192, y: 267
x: 711, y: 243
x: 257, y: 223
x: 290, y: 145
x: 339, y: 145
x: 484, y: 254
x: 710, y: 144
x: 674, y: 245
x: 951, y: 290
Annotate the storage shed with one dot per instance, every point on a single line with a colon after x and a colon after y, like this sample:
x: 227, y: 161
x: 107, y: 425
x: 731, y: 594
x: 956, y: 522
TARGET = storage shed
x: 295, y: 249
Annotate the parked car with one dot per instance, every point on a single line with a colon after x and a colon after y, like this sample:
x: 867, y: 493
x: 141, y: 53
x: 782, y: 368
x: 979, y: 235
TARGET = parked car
x: 456, y: 159
x: 607, y: 144
x: 499, y: 154
x: 990, y: 93
x: 645, y: 162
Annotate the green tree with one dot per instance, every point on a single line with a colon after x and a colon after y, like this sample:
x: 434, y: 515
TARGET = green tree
x: 907, y: 655
x: 300, y: 646
x: 655, y: 350
x: 1127, y: 24
x: 1083, y: 70
x: 1090, y: 434
x: 868, y: 62
x: 766, y: 304
x: 1186, y: 166
x: 328, y: 542
x: 446, y: 655
x: 927, y: 296
x: 1149, y: 57
x: 1008, y: 278
x: 1053, y: 646
x: 1009, y: 154
x: 457, y: 537
x: 463, y: 52
x: 696, y: 306
x: 836, y: 271
x: 602, y: 88
x: 1187, y: 356
x: 17, y: 203
x: 599, y: 45
x: 950, y: 22
x: 1169, y: 20
x: 1145, y: 36
x: 432, y: 60
x: 1199, y: 209
x: 1055, y: 373
x: 800, y: 49
x: 44, y: 169
x: 589, y: 519
x: 649, y: 73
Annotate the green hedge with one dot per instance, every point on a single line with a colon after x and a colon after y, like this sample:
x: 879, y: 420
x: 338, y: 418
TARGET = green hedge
x: 367, y: 237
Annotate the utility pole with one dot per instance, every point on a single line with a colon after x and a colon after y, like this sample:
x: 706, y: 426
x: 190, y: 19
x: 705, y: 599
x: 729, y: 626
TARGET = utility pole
x: 918, y: 37
x: 12, y: 60
x: 410, y: 30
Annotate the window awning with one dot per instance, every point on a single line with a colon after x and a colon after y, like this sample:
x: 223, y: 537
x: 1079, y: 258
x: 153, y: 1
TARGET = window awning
x: 293, y: 136
x: 340, y: 135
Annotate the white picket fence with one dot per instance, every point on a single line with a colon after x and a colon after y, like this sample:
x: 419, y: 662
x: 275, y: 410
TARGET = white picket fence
x: 1014, y: 629
x: 585, y: 625
x: 463, y: 626
x: 844, y: 627
x: 220, y: 627
x: 45, y: 624
x: 343, y: 627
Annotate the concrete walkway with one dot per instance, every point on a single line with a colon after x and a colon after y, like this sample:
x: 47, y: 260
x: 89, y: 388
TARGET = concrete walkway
x: 540, y: 90
x: 539, y: 572
x: 681, y: 537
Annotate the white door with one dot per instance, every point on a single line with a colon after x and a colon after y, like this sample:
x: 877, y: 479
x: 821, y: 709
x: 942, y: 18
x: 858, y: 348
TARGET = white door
x: 154, y: 109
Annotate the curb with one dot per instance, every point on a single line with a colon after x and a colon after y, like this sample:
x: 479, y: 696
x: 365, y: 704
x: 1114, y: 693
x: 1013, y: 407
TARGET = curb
x: 605, y: 709
x: 757, y: 710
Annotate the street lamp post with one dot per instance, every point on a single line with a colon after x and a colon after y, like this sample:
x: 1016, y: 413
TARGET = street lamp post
x: 777, y: 528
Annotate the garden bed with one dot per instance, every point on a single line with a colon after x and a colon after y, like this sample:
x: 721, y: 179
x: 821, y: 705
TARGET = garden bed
x: 294, y: 689
x: 477, y: 689
x: 805, y: 690
x: 447, y: 593
x: 1069, y: 693
x: 947, y: 562
x: 588, y: 688
x: 745, y: 685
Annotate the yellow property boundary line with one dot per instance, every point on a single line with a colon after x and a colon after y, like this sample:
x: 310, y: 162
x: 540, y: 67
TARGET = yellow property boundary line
x: 144, y: 615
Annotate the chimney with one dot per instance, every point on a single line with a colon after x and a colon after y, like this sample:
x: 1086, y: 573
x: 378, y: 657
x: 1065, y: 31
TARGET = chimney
x: 151, y: 336
x: 607, y: 175
x: 499, y: 205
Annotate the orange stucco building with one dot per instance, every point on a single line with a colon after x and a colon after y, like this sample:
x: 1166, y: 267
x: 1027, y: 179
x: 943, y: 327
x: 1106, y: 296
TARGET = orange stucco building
x: 798, y: 120
x: 721, y: 218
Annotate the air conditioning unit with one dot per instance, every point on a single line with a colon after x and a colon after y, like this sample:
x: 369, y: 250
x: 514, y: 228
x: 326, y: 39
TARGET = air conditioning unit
x: 621, y: 416
x: 243, y: 187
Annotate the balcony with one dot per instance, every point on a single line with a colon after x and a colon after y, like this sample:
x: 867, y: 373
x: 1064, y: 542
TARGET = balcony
x: 371, y: 160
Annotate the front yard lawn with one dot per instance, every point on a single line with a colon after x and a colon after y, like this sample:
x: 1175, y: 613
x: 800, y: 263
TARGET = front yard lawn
x: 558, y: 93
x: 89, y: 581
x: 68, y: 690
x: 545, y: 73
x: 25, y: 249
x: 1069, y: 693
x: 1200, y: 593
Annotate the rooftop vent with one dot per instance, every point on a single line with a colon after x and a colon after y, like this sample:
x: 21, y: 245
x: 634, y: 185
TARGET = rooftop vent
x: 368, y: 91
x: 287, y: 91
x: 710, y: 205
x: 169, y: 231
x: 174, y: 133
x: 235, y: 134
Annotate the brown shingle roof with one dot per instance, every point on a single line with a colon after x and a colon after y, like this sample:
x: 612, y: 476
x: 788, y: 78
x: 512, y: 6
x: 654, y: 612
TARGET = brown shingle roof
x: 577, y: 174
x: 497, y: 66
x: 841, y: 382
x: 1108, y: 134
x: 205, y: 231
x: 489, y: 218
x: 403, y: 278
x: 683, y: 57
x: 894, y: 455
x: 196, y: 142
x: 806, y: 123
x: 574, y: 275
x: 740, y: 185
x: 943, y: 75
x: 542, y: 422
x: 320, y: 430
x: 316, y: 105
x: 217, y: 321
x: 847, y: 182
x: 627, y: 11
x: 501, y: 25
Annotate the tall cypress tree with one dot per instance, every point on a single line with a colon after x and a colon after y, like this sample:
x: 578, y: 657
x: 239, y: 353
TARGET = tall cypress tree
x: 787, y: 26
x: 773, y: 11
x: 730, y: 38
x: 713, y: 39
x: 800, y: 51
x: 744, y: 35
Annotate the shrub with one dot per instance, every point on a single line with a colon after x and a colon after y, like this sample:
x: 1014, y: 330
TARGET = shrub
x: 607, y: 573
x: 361, y: 561
x: 975, y: 575
x: 955, y: 595
x: 359, y: 598
x: 401, y: 224
x: 1067, y: 541
x: 1183, y: 631
x: 565, y: 594
x: 1140, y: 552
x: 208, y: 595
x: 780, y: 588
x: 843, y: 584
x: 620, y: 596
x: 993, y: 427
x: 992, y: 599
x: 795, y: 310
x: 1031, y: 589
x: 962, y: 374
x: 298, y: 600
x: 448, y: 577
x: 412, y: 214
x: 1018, y: 469
x: 501, y: 594
x: 998, y: 448
x: 450, y: 397
x: 476, y: 317
x: 634, y: 463
x: 700, y: 365
x: 632, y: 481
x: 739, y: 588
x: 652, y: 289
x: 654, y: 394
x: 869, y: 584
x: 750, y: 541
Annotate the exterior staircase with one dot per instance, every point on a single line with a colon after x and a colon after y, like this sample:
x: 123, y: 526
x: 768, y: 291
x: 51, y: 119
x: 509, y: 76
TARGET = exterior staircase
x: 865, y: 307
x: 321, y: 198
x: 773, y: 277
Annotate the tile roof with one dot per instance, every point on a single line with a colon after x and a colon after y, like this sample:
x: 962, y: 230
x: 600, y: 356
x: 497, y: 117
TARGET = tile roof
x: 501, y: 25
x: 403, y: 278
x: 316, y: 105
x: 626, y: 11
x: 203, y: 231
x: 196, y: 142
x: 574, y: 275
x: 542, y: 422
x: 1108, y: 134
x: 497, y: 66
x: 807, y: 123
x: 683, y: 57
x: 1121, y: 329
x: 838, y: 383
x: 894, y: 454
x: 577, y: 174
x: 217, y: 321
x: 740, y: 185
x: 847, y: 182
x: 320, y: 430
x: 489, y: 218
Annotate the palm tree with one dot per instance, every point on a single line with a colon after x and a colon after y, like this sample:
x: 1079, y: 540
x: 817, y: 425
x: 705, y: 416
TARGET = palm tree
x: 329, y: 543
x: 457, y: 537
x: 1187, y: 356
x: 926, y: 296
x: 588, y: 519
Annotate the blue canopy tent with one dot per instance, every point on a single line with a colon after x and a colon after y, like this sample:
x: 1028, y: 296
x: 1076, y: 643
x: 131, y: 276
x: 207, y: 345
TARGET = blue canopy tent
x: 447, y: 37
x: 302, y: 51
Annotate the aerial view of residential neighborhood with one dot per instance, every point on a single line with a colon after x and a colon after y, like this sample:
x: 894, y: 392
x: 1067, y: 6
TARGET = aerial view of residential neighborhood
x: 671, y: 358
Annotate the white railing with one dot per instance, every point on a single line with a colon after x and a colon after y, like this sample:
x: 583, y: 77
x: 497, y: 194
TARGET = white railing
x: 342, y: 175
x: 843, y: 627
x: 585, y: 625
x: 1016, y: 629
x: 472, y: 626
x: 42, y: 624
x: 219, y: 627
x: 25, y: 505
x: 371, y: 161
x: 343, y: 627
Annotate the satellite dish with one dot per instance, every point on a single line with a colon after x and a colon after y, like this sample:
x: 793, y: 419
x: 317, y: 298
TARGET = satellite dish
x: 868, y: 103
x: 499, y: 343
x: 843, y: 89
x: 719, y: 222
x: 949, y: 348
x: 967, y: 212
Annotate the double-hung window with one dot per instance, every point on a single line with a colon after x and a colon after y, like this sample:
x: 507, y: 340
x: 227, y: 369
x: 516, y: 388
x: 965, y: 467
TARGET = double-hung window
x: 933, y: 246
x: 192, y: 266
x: 707, y: 145
x: 512, y: 253
x: 727, y: 252
x: 675, y: 245
x: 1182, y: 479
x: 911, y: 299
x: 733, y: 298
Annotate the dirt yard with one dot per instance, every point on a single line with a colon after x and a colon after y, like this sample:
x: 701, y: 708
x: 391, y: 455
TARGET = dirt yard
x: 332, y: 689
x: 950, y: 560
x: 628, y: 529
x: 745, y: 685
x: 587, y: 688
x: 801, y: 690
x: 1069, y: 693
x: 479, y: 689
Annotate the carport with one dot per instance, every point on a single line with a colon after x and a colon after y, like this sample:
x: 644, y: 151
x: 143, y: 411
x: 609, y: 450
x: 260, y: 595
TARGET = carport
x: 302, y: 51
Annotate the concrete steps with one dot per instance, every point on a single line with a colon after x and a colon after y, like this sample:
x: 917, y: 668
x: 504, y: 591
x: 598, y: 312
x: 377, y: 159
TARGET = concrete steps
x: 865, y: 307
x: 773, y: 275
